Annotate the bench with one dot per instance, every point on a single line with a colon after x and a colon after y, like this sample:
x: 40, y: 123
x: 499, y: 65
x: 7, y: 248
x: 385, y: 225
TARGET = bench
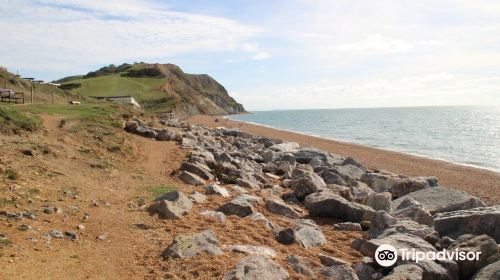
x: 7, y: 95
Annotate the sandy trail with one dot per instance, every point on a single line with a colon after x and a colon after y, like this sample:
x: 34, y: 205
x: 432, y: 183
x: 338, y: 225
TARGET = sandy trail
x: 482, y: 183
x: 121, y: 255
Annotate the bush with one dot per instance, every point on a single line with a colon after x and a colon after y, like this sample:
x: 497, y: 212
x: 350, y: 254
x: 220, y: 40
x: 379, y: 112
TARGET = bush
x: 145, y: 72
x: 11, y: 174
x: 70, y: 86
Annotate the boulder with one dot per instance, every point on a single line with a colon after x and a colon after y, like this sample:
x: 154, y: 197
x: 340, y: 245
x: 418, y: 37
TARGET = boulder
x: 247, y: 184
x: 406, y: 272
x: 131, y: 126
x: 383, y: 225
x: 379, y: 201
x: 269, y: 156
x: 241, y: 206
x: 329, y: 204
x: 216, y: 189
x: 445, y: 270
x: 327, y: 260
x: 308, y: 236
x: 441, y: 199
x: 482, y: 220
x: 269, y: 167
x: 365, y: 270
x: 351, y: 161
x: 482, y: 246
x: 279, y: 207
x: 252, y: 250
x: 408, y: 185
x: 285, y: 236
x: 286, y: 147
x: 412, y: 209
x: 187, y: 246
x: 223, y: 157
x: 259, y: 217
x: 239, y: 189
x: 257, y: 267
x: 360, y: 192
x: 332, y: 178
x: 343, y: 191
x: 489, y: 272
x: 379, y: 182
x: 165, y: 135
x: 172, y: 205
x: 338, y: 272
x: 190, y: 178
x: 300, y: 265
x: 199, y: 169
x: 219, y: 216
x: 305, y: 155
x: 289, y: 157
x: 349, y: 171
x: 348, y: 226
x: 284, y: 168
x: 308, y: 183
x: 305, y: 232
x: 315, y: 162
x: 198, y: 197
x: 399, y: 241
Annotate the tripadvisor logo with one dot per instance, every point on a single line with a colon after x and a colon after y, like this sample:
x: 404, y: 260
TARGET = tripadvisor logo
x: 387, y: 255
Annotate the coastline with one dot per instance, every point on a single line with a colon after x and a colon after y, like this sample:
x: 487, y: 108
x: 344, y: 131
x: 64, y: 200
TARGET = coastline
x: 482, y: 183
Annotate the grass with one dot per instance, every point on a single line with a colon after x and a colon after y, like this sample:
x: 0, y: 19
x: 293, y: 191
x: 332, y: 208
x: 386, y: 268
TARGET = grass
x: 110, y: 85
x: 6, y: 242
x: 88, y: 116
x: 145, y: 90
x: 12, y: 120
x: 4, y: 202
x: 11, y: 174
x: 159, y: 190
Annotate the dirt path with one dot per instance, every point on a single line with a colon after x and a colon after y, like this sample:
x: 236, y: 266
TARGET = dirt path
x: 110, y: 196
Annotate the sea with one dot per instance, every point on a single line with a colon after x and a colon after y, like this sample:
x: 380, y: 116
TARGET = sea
x: 468, y: 135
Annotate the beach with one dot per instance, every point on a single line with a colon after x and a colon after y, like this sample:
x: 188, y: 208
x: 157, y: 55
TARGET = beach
x: 478, y: 182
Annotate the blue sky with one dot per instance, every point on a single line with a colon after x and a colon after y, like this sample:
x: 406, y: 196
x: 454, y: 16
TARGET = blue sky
x: 274, y: 54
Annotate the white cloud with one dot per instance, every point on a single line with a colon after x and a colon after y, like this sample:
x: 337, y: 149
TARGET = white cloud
x: 74, y: 35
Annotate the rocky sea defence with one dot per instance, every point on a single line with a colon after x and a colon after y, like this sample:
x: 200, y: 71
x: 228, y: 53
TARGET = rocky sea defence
x: 304, y: 184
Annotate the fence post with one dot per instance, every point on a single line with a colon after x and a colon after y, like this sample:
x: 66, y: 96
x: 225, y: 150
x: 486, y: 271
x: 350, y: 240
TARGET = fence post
x: 32, y: 86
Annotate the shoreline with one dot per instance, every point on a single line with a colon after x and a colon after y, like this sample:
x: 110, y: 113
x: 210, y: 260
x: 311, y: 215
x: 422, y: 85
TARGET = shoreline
x: 368, y: 146
x: 480, y: 182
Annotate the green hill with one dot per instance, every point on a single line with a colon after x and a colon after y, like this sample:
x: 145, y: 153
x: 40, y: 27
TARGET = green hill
x: 158, y: 87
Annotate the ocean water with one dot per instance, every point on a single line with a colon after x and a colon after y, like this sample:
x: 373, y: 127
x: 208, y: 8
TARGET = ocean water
x: 467, y: 135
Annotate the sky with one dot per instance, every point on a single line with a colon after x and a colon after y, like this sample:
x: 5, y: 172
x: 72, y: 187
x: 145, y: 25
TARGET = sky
x: 273, y: 54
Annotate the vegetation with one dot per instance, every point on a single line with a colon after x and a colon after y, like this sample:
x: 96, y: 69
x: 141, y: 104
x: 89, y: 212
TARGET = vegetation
x: 111, y: 69
x: 159, y: 190
x: 13, y: 121
x: 86, y: 115
x: 11, y: 174
x: 70, y: 86
x: 144, y: 72
x: 5, y: 242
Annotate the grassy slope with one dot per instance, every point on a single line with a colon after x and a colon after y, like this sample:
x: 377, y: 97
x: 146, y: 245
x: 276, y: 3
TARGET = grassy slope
x: 25, y: 118
x: 144, y: 90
